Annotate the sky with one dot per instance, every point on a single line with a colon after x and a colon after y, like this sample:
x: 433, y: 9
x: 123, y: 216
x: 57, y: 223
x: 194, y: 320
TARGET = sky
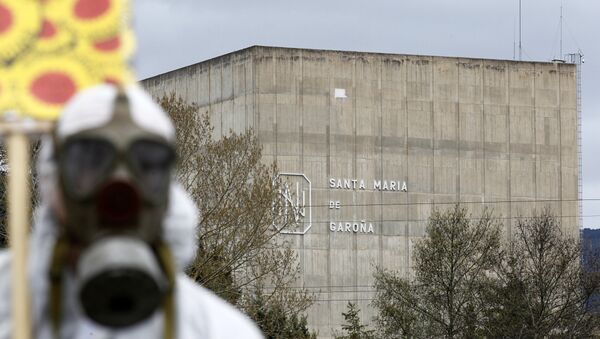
x: 176, y: 33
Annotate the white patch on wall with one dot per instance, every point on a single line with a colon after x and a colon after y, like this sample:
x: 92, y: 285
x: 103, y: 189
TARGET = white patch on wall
x: 340, y: 93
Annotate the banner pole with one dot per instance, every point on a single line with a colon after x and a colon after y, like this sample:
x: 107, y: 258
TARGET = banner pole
x: 18, y: 223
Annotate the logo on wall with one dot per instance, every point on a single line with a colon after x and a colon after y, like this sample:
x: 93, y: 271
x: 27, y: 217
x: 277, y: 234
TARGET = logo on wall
x: 295, y: 203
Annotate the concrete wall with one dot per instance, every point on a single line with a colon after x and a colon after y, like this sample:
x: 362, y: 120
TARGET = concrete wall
x: 223, y: 87
x: 500, y: 134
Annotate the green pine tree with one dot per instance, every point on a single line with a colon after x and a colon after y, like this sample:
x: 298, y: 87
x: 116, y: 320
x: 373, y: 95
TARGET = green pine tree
x: 352, y: 328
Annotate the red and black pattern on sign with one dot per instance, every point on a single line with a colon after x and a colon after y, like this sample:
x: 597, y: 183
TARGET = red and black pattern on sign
x: 53, y: 87
x: 48, y: 83
x: 91, y: 9
x: 20, y: 22
x: 109, y: 45
x: 48, y: 30
x: 6, y: 18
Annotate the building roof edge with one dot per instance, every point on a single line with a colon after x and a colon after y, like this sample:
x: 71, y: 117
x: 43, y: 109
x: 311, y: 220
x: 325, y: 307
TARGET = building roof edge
x: 255, y: 47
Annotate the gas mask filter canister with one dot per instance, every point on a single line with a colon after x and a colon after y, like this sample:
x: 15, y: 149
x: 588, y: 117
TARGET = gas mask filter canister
x: 121, y: 282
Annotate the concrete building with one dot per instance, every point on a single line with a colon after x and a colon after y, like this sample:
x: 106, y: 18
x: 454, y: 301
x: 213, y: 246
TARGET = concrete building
x: 371, y: 143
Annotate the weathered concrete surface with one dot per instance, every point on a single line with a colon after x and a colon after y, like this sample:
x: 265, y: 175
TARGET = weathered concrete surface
x: 501, y: 134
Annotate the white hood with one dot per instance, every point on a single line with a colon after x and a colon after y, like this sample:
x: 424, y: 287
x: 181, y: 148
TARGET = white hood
x: 93, y: 108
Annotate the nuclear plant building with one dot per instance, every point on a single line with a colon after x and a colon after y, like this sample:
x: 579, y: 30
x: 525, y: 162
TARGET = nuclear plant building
x: 369, y: 144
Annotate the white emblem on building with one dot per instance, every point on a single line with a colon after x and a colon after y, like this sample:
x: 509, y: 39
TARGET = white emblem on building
x: 296, y: 208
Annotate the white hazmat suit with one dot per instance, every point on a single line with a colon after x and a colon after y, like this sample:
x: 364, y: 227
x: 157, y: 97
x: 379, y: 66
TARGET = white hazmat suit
x: 198, y: 312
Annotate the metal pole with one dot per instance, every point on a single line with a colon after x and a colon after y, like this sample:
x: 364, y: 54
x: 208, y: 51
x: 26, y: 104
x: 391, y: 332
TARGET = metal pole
x: 18, y: 223
x: 560, y: 56
x: 514, y: 40
x: 520, y: 36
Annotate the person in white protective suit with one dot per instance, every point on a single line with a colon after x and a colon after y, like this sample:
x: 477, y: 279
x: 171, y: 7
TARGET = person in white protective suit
x: 113, y: 232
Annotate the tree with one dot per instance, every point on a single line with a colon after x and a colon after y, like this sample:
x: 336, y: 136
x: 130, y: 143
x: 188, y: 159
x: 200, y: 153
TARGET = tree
x: 275, y: 319
x: 447, y: 295
x: 239, y: 253
x: 396, y: 318
x: 353, y: 328
x: 544, y: 290
x: 4, y: 171
x: 3, y: 211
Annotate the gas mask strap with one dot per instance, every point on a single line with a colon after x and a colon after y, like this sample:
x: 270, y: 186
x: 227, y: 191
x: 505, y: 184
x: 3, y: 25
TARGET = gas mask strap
x: 56, y: 265
x: 121, y: 108
x: 168, y: 264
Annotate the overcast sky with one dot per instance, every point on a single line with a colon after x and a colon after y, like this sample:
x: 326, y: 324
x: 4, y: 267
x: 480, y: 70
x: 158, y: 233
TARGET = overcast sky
x: 176, y: 33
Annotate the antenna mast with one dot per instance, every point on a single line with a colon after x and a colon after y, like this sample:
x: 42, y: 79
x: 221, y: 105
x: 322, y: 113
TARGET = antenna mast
x: 520, y: 37
x: 560, y: 56
x: 514, y: 39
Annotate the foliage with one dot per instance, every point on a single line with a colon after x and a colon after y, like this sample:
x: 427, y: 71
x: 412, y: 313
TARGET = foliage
x: 3, y: 211
x: 446, y: 296
x: 275, y: 320
x: 397, y: 318
x: 35, y: 147
x: 239, y: 249
x: 468, y: 284
x: 543, y: 290
x: 353, y: 329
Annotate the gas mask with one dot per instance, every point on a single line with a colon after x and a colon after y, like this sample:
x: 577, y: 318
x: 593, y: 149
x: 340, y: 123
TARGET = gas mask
x: 114, y: 181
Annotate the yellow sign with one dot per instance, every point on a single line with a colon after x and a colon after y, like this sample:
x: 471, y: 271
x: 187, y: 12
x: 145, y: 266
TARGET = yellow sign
x: 53, y: 48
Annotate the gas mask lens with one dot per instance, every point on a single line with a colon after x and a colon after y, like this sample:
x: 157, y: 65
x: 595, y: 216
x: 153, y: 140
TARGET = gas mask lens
x: 152, y: 161
x: 86, y: 162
